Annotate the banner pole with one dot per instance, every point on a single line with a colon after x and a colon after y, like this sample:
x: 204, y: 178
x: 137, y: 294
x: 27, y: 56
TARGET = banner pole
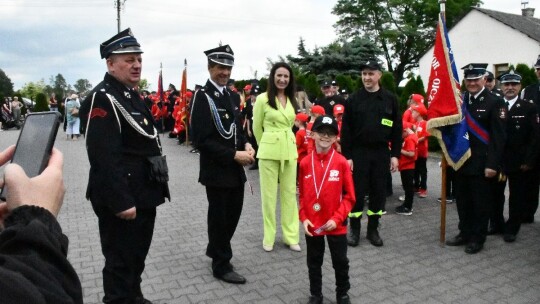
x: 444, y: 166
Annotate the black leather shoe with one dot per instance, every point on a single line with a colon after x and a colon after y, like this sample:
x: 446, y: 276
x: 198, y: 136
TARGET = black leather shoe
x: 343, y: 300
x: 458, y: 240
x: 473, y: 247
x: 231, y: 277
x: 315, y: 300
x: 509, y: 238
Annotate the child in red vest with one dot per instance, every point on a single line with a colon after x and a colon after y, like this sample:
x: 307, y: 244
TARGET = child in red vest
x: 338, y: 115
x: 406, y: 168
x: 419, y: 111
x: 326, y: 198
x: 301, y: 139
x: 316, y: 111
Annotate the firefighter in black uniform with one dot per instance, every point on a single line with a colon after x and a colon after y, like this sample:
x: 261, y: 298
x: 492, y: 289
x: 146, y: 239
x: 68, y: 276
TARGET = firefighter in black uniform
x: 330, y: 98
x: 476, y: 179
x: 370, y: 123
x: 491, y: 85
x: 532, y: 93
x: 123, y: 186
x: 521, y: 151
x: 217, y: 134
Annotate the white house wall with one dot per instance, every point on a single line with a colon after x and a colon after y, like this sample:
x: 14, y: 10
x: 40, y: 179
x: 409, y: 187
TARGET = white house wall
x: 482, y: 39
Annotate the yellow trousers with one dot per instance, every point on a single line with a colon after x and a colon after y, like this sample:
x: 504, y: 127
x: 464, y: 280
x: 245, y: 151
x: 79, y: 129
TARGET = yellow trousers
x: 270, y: 172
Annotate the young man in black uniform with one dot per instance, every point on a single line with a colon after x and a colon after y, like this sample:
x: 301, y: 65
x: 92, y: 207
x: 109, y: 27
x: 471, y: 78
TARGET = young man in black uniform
x: 330, y: 98
x: 521, y: 151
x: 217, y: 134
x: 476, y: 179
x: 121, y: 141
x: 532, y: 93
x: 370, y: 123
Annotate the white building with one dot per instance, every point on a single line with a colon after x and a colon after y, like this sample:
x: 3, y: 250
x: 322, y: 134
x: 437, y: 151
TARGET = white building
x: 497, y: 38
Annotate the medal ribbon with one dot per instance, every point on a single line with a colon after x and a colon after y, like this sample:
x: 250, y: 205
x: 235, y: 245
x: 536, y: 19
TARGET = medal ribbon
x: 318, y: 191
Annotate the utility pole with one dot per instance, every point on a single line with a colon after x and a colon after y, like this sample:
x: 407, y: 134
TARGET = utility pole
x: 119, y: 6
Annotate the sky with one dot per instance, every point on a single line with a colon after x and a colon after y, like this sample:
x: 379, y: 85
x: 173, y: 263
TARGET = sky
x: 43, y: 38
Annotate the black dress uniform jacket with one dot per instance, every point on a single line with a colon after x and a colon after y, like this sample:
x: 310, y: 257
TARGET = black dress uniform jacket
x: 119, y: 172
x: 523, y: 144
x: 217, y: 165
x: 33, y: 263
x: 328, y: 103
x: 490, y: 112
x: 532, y: 93
x: 363, y: 122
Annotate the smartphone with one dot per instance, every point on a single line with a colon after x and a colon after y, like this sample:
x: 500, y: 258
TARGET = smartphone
x: 34, y: 146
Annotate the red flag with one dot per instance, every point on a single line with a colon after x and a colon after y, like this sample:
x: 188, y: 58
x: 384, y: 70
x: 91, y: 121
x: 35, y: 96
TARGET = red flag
x: 445, y: 112
x: 183, y: 91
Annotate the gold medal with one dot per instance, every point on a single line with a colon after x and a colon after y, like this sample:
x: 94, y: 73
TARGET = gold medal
x: 317, y: 207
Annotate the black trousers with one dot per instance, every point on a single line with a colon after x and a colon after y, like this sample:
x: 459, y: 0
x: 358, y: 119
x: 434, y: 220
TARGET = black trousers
x: 407, y: 182
x: 125, y: 244
x: 420, y: 173
x: 473, y: 195
x: 315, y: 256
x: 370, y: 173
x: 224, y: 209
x: 533, y: 192
x: 520, y: 184
x: 450, y: 182
x: 496, y: 217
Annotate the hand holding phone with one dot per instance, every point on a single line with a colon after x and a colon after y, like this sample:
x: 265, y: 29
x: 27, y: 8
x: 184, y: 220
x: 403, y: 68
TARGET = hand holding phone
x: 35, y: 143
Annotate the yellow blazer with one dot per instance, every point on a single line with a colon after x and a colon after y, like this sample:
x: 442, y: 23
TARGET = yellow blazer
x: 273, y: 130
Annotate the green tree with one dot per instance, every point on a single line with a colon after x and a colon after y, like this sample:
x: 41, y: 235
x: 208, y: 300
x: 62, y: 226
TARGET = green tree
x: 388, y: 82
x: 41, y: 103
x: 31, y: 89
x: 6, y: 86
x: 143, y: 84
x: 528, y: 74
x: 83, y: 86
x: 402, y: 29
x: 339, y: 57
x: 59, y: 86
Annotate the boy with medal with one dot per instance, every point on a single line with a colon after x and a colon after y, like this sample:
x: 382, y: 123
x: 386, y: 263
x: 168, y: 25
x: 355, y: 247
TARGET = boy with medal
x: 326, y: 198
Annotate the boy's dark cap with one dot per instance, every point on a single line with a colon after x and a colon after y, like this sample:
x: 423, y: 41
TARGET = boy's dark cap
x: 537, y: 64
x: 222, y: 55
x: 323, y: 121
x: 121, y: 43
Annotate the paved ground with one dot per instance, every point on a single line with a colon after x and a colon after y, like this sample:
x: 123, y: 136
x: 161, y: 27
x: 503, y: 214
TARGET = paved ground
x: 411, y: 267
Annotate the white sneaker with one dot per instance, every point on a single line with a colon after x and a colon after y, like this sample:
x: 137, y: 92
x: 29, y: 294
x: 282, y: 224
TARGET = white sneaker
x: 401, y: 198
x: 268, y: 248
x: 295, y: 247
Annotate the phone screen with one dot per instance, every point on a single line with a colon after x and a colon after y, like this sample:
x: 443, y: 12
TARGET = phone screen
x: 35, y: 143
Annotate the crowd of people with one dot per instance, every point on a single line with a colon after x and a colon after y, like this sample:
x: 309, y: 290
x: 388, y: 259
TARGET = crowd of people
x: 327, y: 162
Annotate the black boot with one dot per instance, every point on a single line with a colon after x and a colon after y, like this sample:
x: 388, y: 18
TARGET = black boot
x: 354, y: 232
x: 343, y: 299
x: 372, y: 232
